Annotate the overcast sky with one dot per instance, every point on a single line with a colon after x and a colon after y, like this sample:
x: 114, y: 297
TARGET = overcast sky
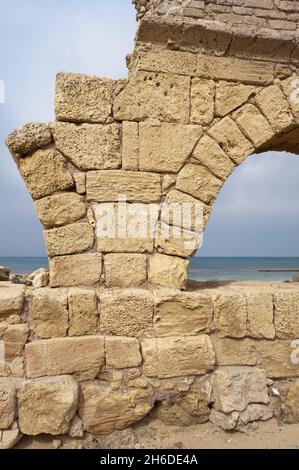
x: 257, y: 212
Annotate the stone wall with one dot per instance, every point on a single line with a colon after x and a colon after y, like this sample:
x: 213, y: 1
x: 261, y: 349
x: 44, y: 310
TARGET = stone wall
x: 119, y: 334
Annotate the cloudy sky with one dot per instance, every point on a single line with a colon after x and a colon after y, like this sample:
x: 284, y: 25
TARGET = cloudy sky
x: 257, y: 212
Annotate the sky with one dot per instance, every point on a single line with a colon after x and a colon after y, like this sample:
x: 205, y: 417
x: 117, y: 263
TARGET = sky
x: 257, y: 211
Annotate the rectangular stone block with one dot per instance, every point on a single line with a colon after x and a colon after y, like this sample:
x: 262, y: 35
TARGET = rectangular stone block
x: 7, y: 403
x: 15, y: 337
x: 168, y: 271
x: 198, y: 213
x: 202, y: 101
x: 122, y: 352
x: 75, y: 270
x: 254, y: 125
x: 70, y: 239
x: 157, y: 95
x: 64, y: 356
x: 182, y: 313
x: 11, y: 300
x: 275, y: 107
x: 177, y: 62
x: 49, y: 317
x: 108, y: 186
x: 230, y: 96
x: 126, y: 312
x: 199, y: 182
x: 89, y: 146
x: 235, y: 352
x: 235, y: 70
x: 130, y: 146
x: 277, y: 358
x: 83, y: 312
x: 83, y: 98
x: 290, y: 87
x: 260, y: 315
x: 45, y: 172
x: 60, y: 209
x: 176, y: 241
x: 209, y: 153
x: 231, y: 315
x: 177, y: 356
x: 286, y: 315
x: 125, y: 270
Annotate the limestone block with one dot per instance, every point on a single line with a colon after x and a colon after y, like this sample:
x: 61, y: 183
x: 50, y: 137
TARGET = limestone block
x: 231, y: 315
x: 230, y: 96
x: 80, y: 182
x: 30, y: 137
x: 49, y: 315
x: 158, y: 95
x: 125, y: 270
x: 126, y: 312
x: 276, y: 358
x: 166, y: 147
x: 275, y: 108
x: 177, y: 356
x: 126, y: 228
x: 75, y: 270
x: 176, y: 241
x: 198, y: 213
x: 9, y: 438
x: 210, y: 154
x: 103, y: 411
x: 177, y: 62
x: 290, y: 87
x: 255, y: 412
x: 83, y: 98
x: 182, y: 313
x: 235, y: 70
x: 227, y: 422
x: 202, y: 101
x: 286, y: 315
x: 45, y: 172
x: 260, y: 316
x: 168, y: 271
x: 60, y: 209
x: 11, y: 300
x: 71, y: 239
x: 231, y: 140
x: 235, y: 352
x: 47, y: 406
x: 130, y: 146
x: 122, y: 352
x: 64, y: 356
x: 89, y: 146
x: 108, y: 186
x: 15, y: 338
x: 290, y: 406
x: 199, y: 182
x: 253, y: 124
x: 7, y: 403
x: 83, y: 312
x: 234, y: 388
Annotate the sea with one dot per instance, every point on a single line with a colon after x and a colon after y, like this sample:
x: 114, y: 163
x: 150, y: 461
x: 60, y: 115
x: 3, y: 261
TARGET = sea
x: 201, y: 268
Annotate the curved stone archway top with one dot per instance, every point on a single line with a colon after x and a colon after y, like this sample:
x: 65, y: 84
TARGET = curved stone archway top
x: 202, y: 95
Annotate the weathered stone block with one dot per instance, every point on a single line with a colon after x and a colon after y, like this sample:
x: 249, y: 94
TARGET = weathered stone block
x: 286, y: 315
x: 80, y: 182
x: 45, y: 172
x: 168, y: 271
x: 126, y: 312
x: 176, y: 241
x: 177, y: 356
x: 276, y: 358
x: 30, y: 137
x: 158, y: 95
x: 7, y: 403
x: 15, y: 338
x: 253, y: 124
x: 199, y: 182
x: 71, y: 239
x: 182, y: 313
x: 202, y: 101
x: 108, y: 186
x: 231, y: 140
x: 49, y: 315
x: 177, y: 62
x: 176, y: 199
x: 275, y: 107
x: 235, y: 352
x: 75, y: 270
x: 60, y: 209
x: 130, y: 146
x: 290, y: 406
x: 260, y: 316
x: 47, y: 406
x: 103, y: 411
x: 83, y: 312
x: 125, y: 270
x: 166, y: 147
x: 230, y: 96
x: 83, y: 98
x: 11, y: 300
x: 231, y: 315
x: 290, y: 88
x: 210, y: 154
x: 64, y: 356
x: 234, y: 388
x: 89, y: 146
x: 122, y: 352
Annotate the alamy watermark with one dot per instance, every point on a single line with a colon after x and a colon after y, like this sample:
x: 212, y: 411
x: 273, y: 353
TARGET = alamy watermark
x: 2, y: 92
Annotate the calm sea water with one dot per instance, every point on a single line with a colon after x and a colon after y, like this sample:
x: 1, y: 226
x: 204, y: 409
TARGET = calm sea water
x: 202, y: 269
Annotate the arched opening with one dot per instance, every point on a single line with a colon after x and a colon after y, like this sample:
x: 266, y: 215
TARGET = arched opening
x: 252, y: 233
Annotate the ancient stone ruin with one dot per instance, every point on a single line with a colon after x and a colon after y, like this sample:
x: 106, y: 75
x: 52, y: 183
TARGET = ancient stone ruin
x: 119, y: 334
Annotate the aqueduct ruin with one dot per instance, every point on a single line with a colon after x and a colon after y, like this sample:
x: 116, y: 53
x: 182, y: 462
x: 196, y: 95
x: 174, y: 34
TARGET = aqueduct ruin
x: 119, y: 334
